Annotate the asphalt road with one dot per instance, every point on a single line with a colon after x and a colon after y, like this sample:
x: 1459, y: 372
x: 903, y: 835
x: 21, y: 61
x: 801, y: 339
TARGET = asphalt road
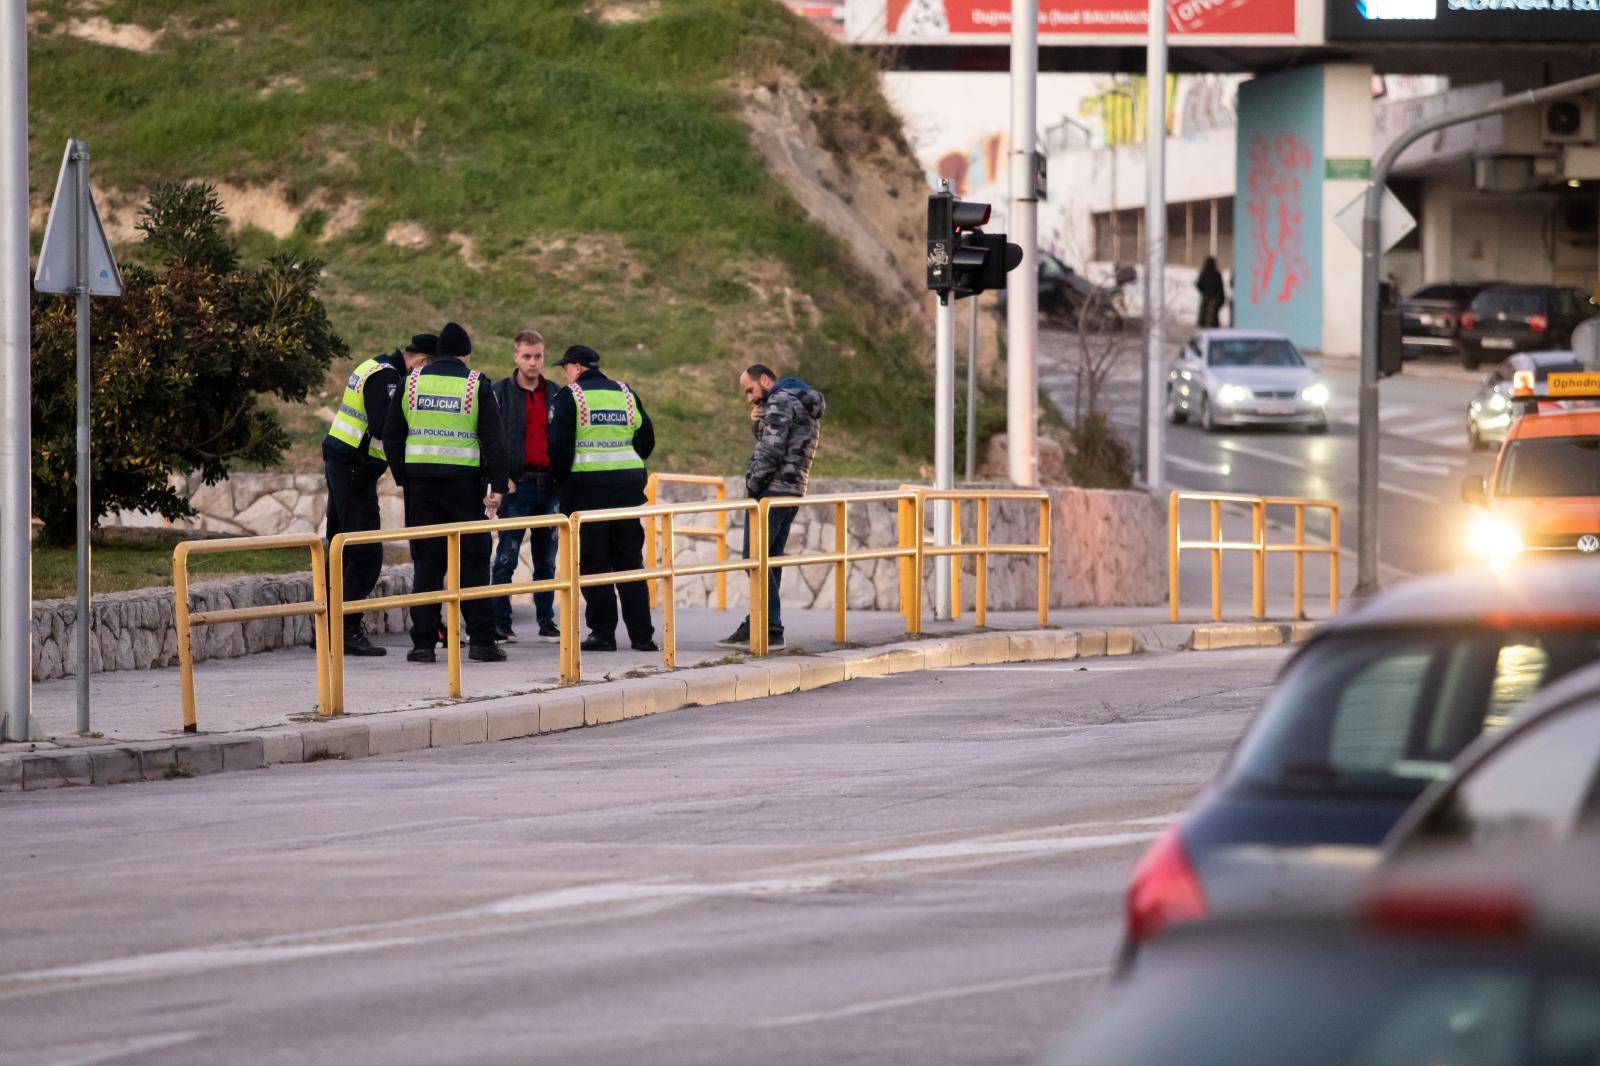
x: 925, y: 868
x: 1423, y: 456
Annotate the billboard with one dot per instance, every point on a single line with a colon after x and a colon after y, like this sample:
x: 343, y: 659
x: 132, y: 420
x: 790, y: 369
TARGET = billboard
x: 1464, y: 20
x: 1066, y: 21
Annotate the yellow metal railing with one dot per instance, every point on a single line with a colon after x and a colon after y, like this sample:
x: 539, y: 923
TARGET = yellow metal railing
x: 451, y: 596
x: 1258, y: 546
x: 317, y: 607
x: 840, y: 558
x: 654, y: 550
x: 665, y: 569
x: 910, y: 551
x: 984, y: 548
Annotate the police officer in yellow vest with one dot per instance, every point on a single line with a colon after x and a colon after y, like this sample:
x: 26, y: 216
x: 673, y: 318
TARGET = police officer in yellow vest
x: 353, y: 461
x: 599, y: 439
x: 446, y: 446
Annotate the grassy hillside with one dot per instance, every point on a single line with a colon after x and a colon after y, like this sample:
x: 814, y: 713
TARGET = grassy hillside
x: 579, y: 167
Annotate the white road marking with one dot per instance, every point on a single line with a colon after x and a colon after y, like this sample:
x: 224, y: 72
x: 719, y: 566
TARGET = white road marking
x: 291, y: 947
x: 1200, y: 468
x: 963, y: 849
x: 1262, y: 453
x: 1439, y: 467
x: 918, y: 999
x: 95, y: 1052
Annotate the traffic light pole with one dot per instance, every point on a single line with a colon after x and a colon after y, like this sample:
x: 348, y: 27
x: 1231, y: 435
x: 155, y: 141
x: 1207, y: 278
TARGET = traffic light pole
x: 944, y: 441
x: 16, y: 481
x: 1022, y: 302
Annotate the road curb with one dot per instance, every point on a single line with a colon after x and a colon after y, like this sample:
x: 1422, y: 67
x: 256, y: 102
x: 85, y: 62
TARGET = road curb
x: 603, y: 702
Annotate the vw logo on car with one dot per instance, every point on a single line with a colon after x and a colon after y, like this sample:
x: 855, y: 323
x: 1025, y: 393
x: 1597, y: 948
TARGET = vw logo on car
x: 1589, y: 544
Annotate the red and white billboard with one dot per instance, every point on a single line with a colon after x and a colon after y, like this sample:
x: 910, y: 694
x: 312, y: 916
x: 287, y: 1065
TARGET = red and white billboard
x: 1067, y: 21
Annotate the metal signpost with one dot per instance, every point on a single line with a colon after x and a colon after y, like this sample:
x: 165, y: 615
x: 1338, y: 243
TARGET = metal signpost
x: 944, y: 433
x: 16, y: 481
x: 1155, y: 240
x: 76, y: 258
x: 1371, y: 253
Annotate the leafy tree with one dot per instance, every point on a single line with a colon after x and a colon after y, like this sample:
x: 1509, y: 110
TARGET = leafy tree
x: 183, y: 365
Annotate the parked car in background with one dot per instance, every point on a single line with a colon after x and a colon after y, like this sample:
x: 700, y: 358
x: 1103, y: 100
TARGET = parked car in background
x: 1071, y: 301
x: 1490, y: 413
x: 1460, y: 959
x: 1504, y: 319
x: 1538, y: 781
x: 1238, y: 377
x: 1365, y: 717
x: 1430, y: 318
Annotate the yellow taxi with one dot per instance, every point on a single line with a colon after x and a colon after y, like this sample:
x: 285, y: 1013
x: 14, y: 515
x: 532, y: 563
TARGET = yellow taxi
x: 1543, y: 496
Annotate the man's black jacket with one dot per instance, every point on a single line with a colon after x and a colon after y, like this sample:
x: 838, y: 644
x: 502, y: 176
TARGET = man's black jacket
x: 514, y: 415
x: 491, y: 435
x: 596, y: 488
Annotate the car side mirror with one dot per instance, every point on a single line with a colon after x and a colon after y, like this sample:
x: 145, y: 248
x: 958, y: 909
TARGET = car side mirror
x: 1475, y: 490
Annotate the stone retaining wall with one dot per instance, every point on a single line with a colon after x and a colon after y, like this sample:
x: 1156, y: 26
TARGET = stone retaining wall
x: 137, y: 631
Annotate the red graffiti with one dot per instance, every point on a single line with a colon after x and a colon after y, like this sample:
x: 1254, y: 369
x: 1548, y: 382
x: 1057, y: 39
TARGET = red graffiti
x: 1275, y: 190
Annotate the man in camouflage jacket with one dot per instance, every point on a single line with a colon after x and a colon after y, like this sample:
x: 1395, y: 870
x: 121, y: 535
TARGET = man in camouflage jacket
x: 786, y: 417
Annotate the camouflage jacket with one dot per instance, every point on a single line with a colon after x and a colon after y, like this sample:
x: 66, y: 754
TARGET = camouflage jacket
x: 786, y: 440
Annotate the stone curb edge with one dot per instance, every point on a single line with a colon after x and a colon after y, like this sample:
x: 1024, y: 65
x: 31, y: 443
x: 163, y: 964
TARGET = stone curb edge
x: 552, y: 711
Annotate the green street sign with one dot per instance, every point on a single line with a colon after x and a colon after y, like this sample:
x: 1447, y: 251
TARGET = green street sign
x: 1348, y: 170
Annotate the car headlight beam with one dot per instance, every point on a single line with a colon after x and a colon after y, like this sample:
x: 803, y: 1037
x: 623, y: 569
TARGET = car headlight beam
x: 1316, y: 394
x: 1231, y: 394
x: 1493, y: 539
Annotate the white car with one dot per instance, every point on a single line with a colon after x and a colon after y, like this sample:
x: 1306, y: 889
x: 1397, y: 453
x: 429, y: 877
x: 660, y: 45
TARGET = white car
x: 1240, y: 377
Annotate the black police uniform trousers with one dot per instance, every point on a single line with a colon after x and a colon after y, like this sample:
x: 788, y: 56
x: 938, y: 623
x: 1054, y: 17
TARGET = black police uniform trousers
x: 607, y: 547
x: 353, y: 508
x: 431, y: 501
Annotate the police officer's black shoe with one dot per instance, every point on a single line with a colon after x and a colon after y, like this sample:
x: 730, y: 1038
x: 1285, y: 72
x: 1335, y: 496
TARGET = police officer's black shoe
x: 646, y: 645
x: 358, y: 644
x: 594, y: 643
x: 505, y: 634
x: 421, y: 655
x: 549, y: 631
x: 485, y: 653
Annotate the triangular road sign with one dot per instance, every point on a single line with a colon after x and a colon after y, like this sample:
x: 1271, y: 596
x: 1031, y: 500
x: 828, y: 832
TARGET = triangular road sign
x: 1394, y: 221
x: 58, y: 258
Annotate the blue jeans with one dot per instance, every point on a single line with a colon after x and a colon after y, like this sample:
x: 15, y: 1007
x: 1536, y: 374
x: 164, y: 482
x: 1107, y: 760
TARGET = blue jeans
x: 533, y: 496
x: 778, y: 523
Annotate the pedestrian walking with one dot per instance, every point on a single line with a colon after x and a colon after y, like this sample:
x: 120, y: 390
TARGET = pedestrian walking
x: 786, y: 417
x: 352, y: 462
x: 600, y: 437
x: 1213, y: 293
x: 446, y: 445
x: 526, y: 399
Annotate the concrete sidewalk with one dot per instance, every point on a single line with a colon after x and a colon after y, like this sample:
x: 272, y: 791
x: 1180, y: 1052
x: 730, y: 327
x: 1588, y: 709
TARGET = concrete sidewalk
x: 278, y: 688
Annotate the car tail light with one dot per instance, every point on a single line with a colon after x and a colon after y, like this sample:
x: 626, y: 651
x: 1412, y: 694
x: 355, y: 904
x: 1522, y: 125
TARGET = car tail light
x: 1538, y: 323
x: 1444, y: 912
x: 1469, y: 320
x: 1164, y: 889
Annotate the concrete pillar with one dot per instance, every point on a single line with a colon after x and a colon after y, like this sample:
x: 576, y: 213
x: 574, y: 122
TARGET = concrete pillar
x: 1304, y: 151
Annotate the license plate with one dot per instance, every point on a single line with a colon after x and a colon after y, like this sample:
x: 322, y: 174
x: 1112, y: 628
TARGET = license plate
x: 1275, y: 409
x: 1499, y: 342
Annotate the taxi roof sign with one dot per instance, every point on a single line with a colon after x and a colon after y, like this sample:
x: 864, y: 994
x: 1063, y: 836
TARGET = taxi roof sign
x: 1574, y: 384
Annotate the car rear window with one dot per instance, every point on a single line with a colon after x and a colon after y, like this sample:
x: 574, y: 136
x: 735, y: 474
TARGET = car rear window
x: 1457, y: 293
x: 1551, y: 466
x: 1254, y: 352
x: 1385, y: 713
x: 1511, y: 303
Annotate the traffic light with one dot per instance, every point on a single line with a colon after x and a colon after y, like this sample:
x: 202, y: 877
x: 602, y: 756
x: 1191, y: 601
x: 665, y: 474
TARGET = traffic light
x: 961, y: 257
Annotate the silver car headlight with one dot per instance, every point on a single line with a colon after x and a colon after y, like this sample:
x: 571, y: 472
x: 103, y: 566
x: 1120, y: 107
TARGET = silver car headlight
x: 1231, y: 394
x: 1315, y: 394
x: 1498, y: 401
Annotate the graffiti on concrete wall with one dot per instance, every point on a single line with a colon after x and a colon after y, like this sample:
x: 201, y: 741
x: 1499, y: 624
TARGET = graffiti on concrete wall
x: 1275, y: 184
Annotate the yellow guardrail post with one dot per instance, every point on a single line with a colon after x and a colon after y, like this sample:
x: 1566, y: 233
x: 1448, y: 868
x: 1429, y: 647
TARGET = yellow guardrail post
x: 1172, y: 555
x: 722, y: 547
x: 841, y: 569
x: 919, y: 549
x: 759, y: 607
x: 1258, y: 571
x: 1333, y: 556
x: 669, y: 603
x: 1299, y: 560
x: 652, y: 496
x: 336, y: 623
x: 452, y: 610
x: 1046, y: 541
x: 1259, y: 547
x: 571, y: 653
x: 980, y: 595
x: 186, y: 620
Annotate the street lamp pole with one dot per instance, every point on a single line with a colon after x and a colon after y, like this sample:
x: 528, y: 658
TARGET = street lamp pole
x: 1371, y: 256
x: 1155, y: 246
x: 16, y: 481
x: 1022, y: 302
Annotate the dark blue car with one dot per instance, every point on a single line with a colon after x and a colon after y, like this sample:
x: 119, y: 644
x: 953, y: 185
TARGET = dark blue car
x: 1370, y: 712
